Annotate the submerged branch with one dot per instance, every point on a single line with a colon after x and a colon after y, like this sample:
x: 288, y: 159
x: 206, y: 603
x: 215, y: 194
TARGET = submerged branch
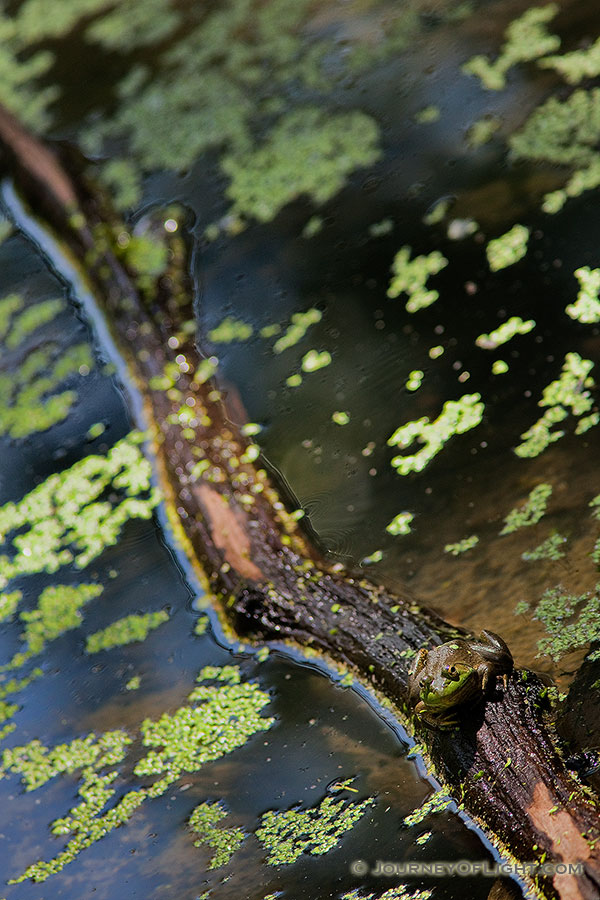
x: 502, y: 765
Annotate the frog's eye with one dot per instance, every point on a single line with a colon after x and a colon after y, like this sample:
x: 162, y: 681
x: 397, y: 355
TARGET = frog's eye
x: 451, y: 673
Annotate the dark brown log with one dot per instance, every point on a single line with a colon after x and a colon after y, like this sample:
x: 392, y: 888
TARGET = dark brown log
x: 502, y: 765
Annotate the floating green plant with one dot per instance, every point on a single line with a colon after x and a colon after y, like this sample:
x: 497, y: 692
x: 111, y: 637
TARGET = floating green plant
x: 577, y: 65
x: 462, y: 546
x: 400, y: 524
x: 294, y: 333
x: 288, y: 834
x: 551, y: 548
x: 427, y: 115
x: 263, y: 181
x: 398, y: 892
x: 527, y: 38
x: 224, y: 841
x: 571, y: 621
x: 457, y: 417
x: 65, y: 519
x: 128, y: 630
x: 410, y: 277
x: 505, y: 332
x: 315, y: 360
x: 58, y: 610
x: 414, y: 380
x: 340, y: 417
x: 438, y: 802
x: 586, y: 308
x: 230, y: 330
x: 530, y: 512
x: 8, y: 604
x: 507, y: 249
x: 29, y: 402
x: 562, y: 131
x: 313, y: 227
x: 570, y: 392
x: 483, y: 130
x: 221, y: 714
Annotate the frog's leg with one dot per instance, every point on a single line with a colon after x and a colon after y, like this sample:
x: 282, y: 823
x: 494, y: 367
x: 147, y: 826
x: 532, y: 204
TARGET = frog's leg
x: 491, y: 646
x: 444, y: 719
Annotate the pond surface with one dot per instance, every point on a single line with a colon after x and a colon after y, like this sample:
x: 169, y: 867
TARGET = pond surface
x: 324, y: 432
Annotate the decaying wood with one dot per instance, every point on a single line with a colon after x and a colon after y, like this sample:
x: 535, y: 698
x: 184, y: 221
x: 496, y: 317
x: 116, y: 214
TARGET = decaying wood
x: 502, y: 765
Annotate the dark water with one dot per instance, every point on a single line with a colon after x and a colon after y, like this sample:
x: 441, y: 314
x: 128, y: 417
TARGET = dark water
x: 340, y: 475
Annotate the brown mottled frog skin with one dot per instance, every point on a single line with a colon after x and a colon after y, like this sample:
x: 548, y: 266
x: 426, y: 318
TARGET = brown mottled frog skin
x: 454, y: 675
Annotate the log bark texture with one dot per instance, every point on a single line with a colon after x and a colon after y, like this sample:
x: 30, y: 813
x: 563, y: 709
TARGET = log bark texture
x: 503, y: 764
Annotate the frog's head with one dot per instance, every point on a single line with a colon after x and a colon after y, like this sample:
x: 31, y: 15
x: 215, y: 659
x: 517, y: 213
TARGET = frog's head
x: 454, y: 685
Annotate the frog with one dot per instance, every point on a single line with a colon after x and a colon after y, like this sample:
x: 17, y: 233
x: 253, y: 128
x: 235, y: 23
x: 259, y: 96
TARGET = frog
x: 456, y: 674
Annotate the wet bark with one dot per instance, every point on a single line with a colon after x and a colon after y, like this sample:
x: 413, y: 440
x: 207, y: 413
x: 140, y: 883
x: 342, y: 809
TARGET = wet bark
x: 270, y: 583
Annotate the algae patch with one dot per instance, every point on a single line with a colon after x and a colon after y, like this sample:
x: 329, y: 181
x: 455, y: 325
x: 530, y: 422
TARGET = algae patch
x: 530, y: 512
x: 569, y: 392
x: 30, y: 401
x: 586, y: 308
x: 220, y: 715
x: 505, y: 332
x: 507, y: 249
x: 462, y: 546
x: 129, y: 630
x: 571, y: 621
x: 527, y: 38
x: 65, y: 519
x: 456, y: 417
x: 224, y: 841
x: 410, y: 277
x: 286, y: 835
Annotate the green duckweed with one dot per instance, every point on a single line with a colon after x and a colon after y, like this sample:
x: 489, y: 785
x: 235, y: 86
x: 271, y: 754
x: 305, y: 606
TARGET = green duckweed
x: 30, y: 319
x: 288, y: 834
x: 505, y: 332
x: 315, y: 360
x: 263, y: 181
x: 221, y: 714
x: 530, y: 512
x: 29, y: 401
x: 400, y: 524
x: 527, y: 38
x: 8, y: 604
x: 65, y: 519
x: 570, y: 392
x: 457, y: 417
x: 570, y: 621
x: 414, y: 380
x: 230, y: 330
x: 398, y: 892
x: 462, y: 546
x: 428, y: 115
x: 340, y: 417
x: 224, y: 841
x: 294, y: 333
x: 563, y: 131
x: 128, y: 630
x: 586, y: 308
x: 58, y: 610
x: 482, y: 131
x: 551, y: 548
x: 507, y: 249
x: 438, y: 802
x: 577, y: 65
x: 410, y: 277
